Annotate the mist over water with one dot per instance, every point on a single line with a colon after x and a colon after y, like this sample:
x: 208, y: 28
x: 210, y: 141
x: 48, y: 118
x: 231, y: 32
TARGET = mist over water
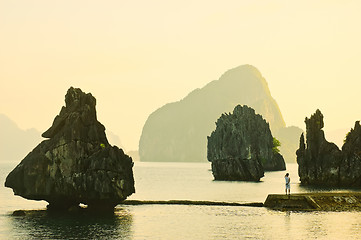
x: 191, y: 181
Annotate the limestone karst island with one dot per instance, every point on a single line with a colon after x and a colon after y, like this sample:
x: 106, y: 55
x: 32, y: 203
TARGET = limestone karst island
x: 180, y: 120
x: 242, y: 147
x: 75, y: 164
x: 177, y: 132
x: 322, y: 163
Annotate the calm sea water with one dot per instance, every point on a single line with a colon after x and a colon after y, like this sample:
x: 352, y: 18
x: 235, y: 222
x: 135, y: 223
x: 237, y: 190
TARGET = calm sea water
x: 191, y: 181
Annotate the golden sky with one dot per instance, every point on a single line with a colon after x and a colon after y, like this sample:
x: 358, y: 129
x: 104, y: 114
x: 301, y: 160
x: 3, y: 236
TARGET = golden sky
x: 136, y: 56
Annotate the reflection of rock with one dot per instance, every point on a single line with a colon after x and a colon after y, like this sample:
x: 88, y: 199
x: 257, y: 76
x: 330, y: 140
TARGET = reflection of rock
x: 76, y: 164
x: 241, y: 147
x: 322, y: 163
x: 40, y: 224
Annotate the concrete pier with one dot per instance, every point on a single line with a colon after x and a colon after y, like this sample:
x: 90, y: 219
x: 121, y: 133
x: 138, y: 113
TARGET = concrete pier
x: 189, y: 202
x: 342, y: 201
x: 317, y: 201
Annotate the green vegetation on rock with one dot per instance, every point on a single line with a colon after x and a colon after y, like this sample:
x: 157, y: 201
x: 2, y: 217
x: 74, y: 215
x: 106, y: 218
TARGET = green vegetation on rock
x: 276, y: 144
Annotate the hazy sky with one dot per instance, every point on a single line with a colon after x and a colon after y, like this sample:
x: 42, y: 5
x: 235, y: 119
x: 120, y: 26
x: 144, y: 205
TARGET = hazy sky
x: 136, y: 56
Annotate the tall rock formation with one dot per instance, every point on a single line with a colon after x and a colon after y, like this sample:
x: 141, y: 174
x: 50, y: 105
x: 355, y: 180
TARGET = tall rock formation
x: 178, y: 131
x: 76, y: 164
x: 241, y: 147
x: 323, y: 163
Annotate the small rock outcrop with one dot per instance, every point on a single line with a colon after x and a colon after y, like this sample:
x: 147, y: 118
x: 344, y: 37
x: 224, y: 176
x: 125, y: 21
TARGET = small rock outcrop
x: 241, y: 147
x: 323, y: 163
x: 76, y: 164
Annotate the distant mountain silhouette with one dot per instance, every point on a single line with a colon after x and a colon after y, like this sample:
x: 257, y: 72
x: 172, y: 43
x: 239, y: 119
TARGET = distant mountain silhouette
x: 289, y: 138
x: 16, y: 143
x: 113, y: 139
x: 178, y: 131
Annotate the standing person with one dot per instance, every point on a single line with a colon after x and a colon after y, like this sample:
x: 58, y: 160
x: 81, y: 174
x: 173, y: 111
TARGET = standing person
x: 288, y: 180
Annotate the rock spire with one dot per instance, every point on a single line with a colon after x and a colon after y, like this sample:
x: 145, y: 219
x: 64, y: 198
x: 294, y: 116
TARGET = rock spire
x: 322, y: 163
x: 76, y: 164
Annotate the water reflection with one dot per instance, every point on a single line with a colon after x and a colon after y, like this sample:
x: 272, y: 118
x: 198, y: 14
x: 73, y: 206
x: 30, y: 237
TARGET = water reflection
x: 287, y: 221
x: 39, y: 224
x: 317, y: 226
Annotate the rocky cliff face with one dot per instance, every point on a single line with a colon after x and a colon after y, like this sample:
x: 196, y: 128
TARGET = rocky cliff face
x: 241, y: 147
x: 177, y: 131
x: 323, y: 163
x: 76, y: 164
x: 350, y: 170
